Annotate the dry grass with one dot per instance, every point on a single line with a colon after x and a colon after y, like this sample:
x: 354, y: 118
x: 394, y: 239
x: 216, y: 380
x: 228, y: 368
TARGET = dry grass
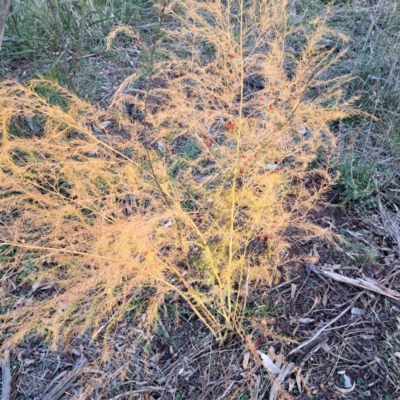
x: 99, y: 225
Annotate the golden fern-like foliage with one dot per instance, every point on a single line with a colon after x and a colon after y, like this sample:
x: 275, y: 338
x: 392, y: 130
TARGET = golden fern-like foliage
x: 200, y: 193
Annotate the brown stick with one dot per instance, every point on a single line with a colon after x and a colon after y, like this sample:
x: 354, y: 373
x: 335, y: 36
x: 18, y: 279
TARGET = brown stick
x: 325, y: 326
x: 66, y: 382
x: 368, y: 284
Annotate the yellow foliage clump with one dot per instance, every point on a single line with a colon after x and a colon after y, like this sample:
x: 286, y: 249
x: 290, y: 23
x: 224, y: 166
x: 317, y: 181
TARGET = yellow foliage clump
x: 200, y: 192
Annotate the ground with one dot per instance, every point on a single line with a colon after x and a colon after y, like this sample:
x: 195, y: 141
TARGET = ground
x: 356, y: 357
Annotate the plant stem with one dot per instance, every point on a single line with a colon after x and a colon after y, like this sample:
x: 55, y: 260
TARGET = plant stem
x: 64, y: 46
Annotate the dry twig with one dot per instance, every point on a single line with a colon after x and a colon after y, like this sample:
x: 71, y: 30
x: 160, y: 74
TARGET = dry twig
x: 6, y: 376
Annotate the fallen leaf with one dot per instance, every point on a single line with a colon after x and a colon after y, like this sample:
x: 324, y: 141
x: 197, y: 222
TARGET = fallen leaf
x: 36, y: 286
x: 347, y: 381
x: 293, y: 290
x: 269, y: 364
x: 357, y: 311
x: 298, y: 381
x: 246, y: 359
x: 271, y: 166
x: 344, y: 391
x: 325, y: 298
x: 306, y: 320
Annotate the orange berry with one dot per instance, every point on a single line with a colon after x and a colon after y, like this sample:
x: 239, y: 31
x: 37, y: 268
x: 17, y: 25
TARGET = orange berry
x: 232, y: 55
x: 243, y: 156
x: 227, y: 125
x: 241, y: 170
x: 261, y: 98
x: 268, y: 236
x: 212, y: 140
x: 271, y: 106
x: 261, y: 238
x: 203, y: 134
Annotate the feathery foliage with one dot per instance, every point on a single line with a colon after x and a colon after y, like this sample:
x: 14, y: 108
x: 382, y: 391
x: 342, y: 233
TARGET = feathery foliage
x: 104, y: 210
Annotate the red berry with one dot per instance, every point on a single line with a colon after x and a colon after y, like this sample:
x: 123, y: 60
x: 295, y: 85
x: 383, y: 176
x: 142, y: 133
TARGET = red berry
x: 246, y: 163
x: 274, y: 226
x: 241, y: 170
x: 233, y: 125
x: 232, y: 55
x: 261, y: 98
x: 277, y: 160
x: 261, y: 238
x: 201, y: 147
x: 203, y: 134
x: 271, y: 106
x: 272, y: 88
x: 279, y: 169
x: 227, y: 125
x: 268, y: 236
x: 243, y: 156
x: 212, y: 140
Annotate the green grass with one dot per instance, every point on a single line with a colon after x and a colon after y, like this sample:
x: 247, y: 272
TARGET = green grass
x: 369, y: 147
x: 68, y: 45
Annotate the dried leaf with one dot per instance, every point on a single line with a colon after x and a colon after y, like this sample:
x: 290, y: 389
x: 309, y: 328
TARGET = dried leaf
x: 344, y: 391
x: 298, y: 381
x: 246, y: 359
x: 271, y: 166
x: 36, y: 286
x: 269, y: 364
x: 325, y: 298
x: 357, y: 311
x: 293, y: 290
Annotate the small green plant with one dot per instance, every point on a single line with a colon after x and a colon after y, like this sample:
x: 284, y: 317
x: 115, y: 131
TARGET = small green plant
x: 359, y: 181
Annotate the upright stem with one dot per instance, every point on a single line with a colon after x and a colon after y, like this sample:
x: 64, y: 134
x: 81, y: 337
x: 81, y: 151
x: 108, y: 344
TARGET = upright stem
x: 64, y: 46
x: 234, y: 185
x: 164, y: 193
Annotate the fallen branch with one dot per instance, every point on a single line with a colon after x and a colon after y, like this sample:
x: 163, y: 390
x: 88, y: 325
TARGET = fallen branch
x: 295, y: 350
x: 67, y: 382
x: 365, y: 283
x: 5, y: 376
